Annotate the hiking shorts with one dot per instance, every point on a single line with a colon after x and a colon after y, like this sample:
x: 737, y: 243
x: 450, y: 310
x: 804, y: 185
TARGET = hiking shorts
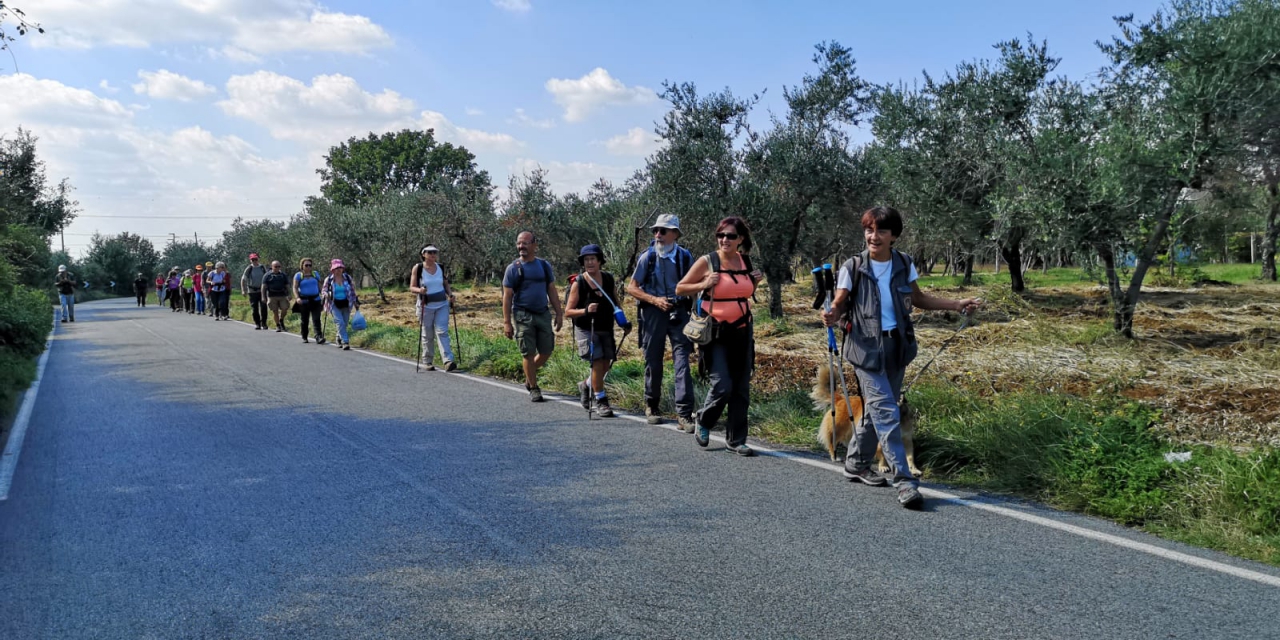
x: 533, y: 332
x: 599, y: 345
x: 279, y: 303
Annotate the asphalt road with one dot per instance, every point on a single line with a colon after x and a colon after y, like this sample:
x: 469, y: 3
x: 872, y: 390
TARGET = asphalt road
x: 183, y: 478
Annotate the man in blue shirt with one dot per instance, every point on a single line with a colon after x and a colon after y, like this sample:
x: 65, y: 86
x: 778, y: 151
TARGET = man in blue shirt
x: 663, y: 315
x: 528, y: 289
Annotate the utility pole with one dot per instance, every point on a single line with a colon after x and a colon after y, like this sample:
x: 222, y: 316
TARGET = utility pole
x: 173, y: 238
x: 63, y: 233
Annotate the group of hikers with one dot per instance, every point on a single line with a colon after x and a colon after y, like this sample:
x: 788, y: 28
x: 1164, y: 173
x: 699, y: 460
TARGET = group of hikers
x: 700, y: 308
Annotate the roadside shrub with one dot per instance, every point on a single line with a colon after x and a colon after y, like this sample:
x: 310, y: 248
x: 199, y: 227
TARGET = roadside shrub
x: 25, y: 319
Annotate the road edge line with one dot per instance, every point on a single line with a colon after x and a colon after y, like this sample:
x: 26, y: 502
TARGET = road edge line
x: 13, y: 447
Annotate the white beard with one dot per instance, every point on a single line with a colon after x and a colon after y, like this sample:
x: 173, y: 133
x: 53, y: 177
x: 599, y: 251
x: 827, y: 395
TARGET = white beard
x: 664, y: 249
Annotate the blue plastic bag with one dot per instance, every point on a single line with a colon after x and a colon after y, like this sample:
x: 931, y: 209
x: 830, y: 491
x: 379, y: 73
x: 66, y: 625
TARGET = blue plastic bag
x: 358, y: 322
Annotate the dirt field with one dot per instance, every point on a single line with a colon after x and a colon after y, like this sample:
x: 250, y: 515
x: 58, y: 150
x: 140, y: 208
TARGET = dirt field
x: 1209, y: 358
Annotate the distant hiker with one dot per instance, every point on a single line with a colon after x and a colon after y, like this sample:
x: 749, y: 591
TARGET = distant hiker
x: 435, y: 301
x: 275, y: 286
x: 725, y: 282
x: 340, y: 299
x: 220, y: 289
x: 880, y: 342
x: 188, y: 292
x: 173, y: 289
x: 592, y: 313
x: 208, y: 288
x: 306, y: 295
x: 160, y: 289
x: 66, y: 284
x: 251, y: 285
x: 198, y: 287
x: 528, y: 286
x: 663, y: 315
x: 140, y: 289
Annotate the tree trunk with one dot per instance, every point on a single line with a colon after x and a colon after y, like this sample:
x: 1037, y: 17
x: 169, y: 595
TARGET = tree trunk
x: 775, y: 297
x: 1012, y: 253
x: 376, y: 280
x: 1121, y: 315
x: 998, y: 252
x: 1269, y: 238
x: 968, y: 271
x: 1145, y: 259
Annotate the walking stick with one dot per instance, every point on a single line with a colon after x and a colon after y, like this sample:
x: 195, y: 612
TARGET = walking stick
x: 417, y: 364
x: 457, y: 338
x: 824, y: 284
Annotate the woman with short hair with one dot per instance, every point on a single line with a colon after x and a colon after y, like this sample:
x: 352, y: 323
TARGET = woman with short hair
x: 591, y: 310
x: 434, y: 302
x: 220, y: 289
x: 306, y: 296
x: 725, y: 281
x: 174, y: 290
x: 340, y: 299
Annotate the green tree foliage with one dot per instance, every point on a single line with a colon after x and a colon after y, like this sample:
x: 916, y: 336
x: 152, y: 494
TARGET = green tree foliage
x: 186, y: 254
x: 119, y: 259
x: 360, y: 171
x: 26, y: 198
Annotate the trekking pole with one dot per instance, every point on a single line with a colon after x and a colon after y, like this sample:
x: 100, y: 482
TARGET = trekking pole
x: 417, y: 364
x: 823, y: 299
x: 457, y: 339
x: 829, y: 280
x: 591, y: 355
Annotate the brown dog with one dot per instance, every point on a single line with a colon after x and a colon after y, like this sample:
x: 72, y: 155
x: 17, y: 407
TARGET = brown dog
x: 842, y: 430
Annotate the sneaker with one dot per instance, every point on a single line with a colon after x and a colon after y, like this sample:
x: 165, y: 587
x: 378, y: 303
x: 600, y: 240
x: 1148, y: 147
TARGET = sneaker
x: 603, y: 409
x: 652, y: 415
x: 320, y: 340
x: 346, y: 346
x: 909, y: 497
x: 687, y: 424
x: 257, y: 328
x: 305, y: 341
x: 430, y: 367
x: 702, y: 435
x: 866, y: 476
x: 742, y: 450
x: 535, y: 394
x: 64, y: 319
x: 279, y: 328
x: 584, y: 395
x: 451, y: 366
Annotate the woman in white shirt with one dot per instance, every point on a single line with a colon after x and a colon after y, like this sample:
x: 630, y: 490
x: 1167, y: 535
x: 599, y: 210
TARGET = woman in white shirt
x: 435, y: 299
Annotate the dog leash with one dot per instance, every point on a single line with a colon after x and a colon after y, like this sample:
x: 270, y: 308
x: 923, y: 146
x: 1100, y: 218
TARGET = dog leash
x: 945, y: 343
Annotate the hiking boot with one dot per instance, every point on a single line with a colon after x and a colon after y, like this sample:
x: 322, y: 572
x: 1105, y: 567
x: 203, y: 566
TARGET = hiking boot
x: 702, y: 435
x: 742, y: 450
x: 257, y: 327
x: 535, y: 394
x: 652, y: 415
x: 450, y: 366
x: 584, y: 395
x: 346, y: 346
x: 603, y: 409
x: 866, y: 476
x: 428, y: 367
x: 304, y: 340
x: 687, y: 424
x: 909, y: 497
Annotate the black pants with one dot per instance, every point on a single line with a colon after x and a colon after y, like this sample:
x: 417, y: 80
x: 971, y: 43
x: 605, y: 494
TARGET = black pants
x: 142, y: 297
x: 730, y: 361
x: 189, y: 300
x: 222, y: 304
x: 259, y: 305
x: 175, y: 299
x: 311, y: 308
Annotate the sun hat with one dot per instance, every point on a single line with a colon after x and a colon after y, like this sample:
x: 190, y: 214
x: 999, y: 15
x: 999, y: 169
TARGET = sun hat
x: 429, y: 248
x: 336, y: 264
x: 253, y: 256
x: 668, y: 221
x: 591, y: 250
x: 209, y: 264
x: 61, y: 268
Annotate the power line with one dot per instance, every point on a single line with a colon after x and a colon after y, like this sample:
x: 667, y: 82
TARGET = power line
x: 227, y: 217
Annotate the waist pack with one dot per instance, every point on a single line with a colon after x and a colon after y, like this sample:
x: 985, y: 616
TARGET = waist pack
x: 701, y: 329
x: 438, y: 296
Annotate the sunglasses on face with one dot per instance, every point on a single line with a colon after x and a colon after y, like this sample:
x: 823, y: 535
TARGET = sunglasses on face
x: 306, y: 264
x: 721, y: 235
x: 432, y: 253
x: 661, y: 231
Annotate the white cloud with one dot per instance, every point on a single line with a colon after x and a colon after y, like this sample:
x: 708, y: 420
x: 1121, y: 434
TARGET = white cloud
x: 243, y: 29
x: 573, y: 177
x: 335, y: 107
x: 514, y: 6
x: 596, y: 89
x: 121, y: 167
x: 524, y: 119
x: 472, y: 111
x: 106, y: 86
x: 168, y: 85
x: 635, y: 142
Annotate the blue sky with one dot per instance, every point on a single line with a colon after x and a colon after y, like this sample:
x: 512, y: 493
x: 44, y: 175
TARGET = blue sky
x: 209, y: 109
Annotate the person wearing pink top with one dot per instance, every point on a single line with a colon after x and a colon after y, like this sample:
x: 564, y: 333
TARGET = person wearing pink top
x: 198, y: 280
x: 724, y: 281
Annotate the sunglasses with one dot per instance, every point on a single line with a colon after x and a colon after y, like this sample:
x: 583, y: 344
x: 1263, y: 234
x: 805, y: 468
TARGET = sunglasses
x: 726, y: 236
x: 306, y: 264
x: 661, y: 231
x: 432, y: 253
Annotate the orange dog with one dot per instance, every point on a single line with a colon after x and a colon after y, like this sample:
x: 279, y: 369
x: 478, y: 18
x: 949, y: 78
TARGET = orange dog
x: 842, y: 431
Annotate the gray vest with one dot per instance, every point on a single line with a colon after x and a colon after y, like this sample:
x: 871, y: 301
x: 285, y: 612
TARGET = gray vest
x: 864, y: 342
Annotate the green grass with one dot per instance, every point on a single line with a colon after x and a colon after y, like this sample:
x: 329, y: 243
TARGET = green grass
x: 1068, y: 277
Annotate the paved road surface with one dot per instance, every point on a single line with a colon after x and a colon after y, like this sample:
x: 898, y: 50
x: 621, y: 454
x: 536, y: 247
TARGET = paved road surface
x: 183, y: 478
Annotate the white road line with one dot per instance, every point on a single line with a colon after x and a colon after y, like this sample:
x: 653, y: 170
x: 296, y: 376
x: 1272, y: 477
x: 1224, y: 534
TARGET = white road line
x: 9, y: 462
x: 1119, y: 541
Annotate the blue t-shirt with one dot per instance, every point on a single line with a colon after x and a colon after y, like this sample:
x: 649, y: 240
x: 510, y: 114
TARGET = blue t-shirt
x: 531, y: 295
x: 666, y: 272
x: 308, y: 286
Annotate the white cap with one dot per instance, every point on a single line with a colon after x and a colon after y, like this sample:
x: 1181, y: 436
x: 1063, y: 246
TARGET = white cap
x: 61, y: 268
x: 668, y: 221
x: 430, y: 247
